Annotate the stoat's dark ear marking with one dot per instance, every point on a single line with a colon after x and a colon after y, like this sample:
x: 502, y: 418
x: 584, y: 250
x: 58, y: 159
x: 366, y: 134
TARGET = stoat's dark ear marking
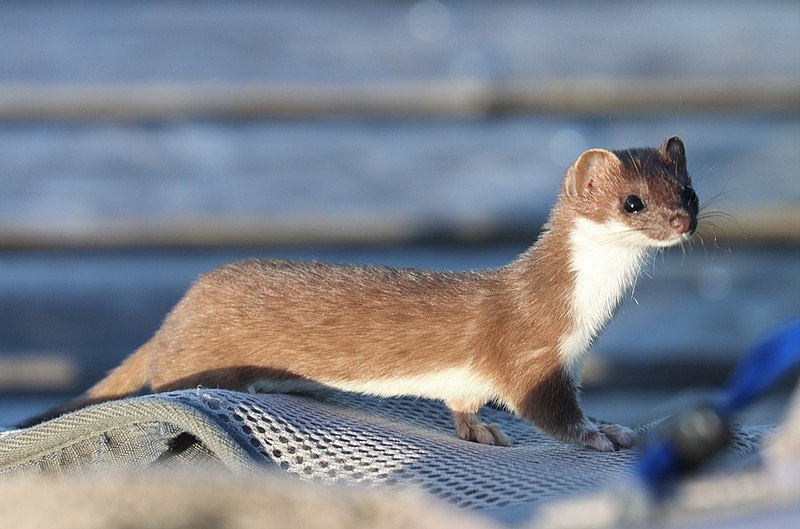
x: 674, y: 151
x: 591, y: 166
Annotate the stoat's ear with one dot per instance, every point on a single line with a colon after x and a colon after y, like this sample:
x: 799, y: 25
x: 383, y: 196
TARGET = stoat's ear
x: 673, y: 151
x: 583, y: 175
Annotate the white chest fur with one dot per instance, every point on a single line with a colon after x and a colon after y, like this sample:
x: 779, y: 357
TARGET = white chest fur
x: 606, y: 259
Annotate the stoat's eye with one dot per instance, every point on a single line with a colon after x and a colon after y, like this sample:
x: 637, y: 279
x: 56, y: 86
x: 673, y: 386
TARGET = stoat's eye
x: 633, y: 204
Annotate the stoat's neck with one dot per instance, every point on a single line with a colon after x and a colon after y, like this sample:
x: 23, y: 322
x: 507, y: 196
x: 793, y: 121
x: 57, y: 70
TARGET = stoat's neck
x: 605, y: 264
x: 568, y: 285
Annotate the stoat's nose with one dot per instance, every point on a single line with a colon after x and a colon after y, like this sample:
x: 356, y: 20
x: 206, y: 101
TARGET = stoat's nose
x: 682, y: 223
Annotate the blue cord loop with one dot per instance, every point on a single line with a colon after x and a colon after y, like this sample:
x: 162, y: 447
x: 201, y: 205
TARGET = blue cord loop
x: 691, y: 437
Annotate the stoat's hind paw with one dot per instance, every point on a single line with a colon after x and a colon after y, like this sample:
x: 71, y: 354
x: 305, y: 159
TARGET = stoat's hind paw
x: 470, y: 428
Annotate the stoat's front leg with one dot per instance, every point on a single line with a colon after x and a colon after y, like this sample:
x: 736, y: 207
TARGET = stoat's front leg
x: 551, y: 404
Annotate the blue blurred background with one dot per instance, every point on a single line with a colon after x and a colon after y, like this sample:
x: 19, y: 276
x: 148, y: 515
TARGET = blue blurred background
x: 142, y: 144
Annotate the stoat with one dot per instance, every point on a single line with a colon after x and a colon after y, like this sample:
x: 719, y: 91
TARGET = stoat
x: 515, y: 335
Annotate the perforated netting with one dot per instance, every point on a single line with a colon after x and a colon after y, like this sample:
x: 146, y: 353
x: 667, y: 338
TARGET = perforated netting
x: 353, y: 439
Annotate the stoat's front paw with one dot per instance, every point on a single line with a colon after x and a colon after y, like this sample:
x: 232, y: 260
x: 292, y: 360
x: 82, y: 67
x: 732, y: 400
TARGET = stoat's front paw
x: 620, y: 436
x: 608, y: 438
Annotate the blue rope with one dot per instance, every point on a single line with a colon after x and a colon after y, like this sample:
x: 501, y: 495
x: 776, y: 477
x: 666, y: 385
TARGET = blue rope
x: 768, y: 361
x: 693, y: 436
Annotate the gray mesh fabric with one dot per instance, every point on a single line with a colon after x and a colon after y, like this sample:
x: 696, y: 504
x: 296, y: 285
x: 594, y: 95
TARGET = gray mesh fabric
x: 331, y: 438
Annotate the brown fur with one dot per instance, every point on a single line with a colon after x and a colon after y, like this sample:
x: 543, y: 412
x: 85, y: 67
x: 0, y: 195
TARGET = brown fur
x: 307, y: 321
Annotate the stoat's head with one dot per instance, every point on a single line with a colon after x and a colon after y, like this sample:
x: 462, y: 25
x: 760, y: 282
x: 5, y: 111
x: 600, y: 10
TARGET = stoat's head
x: 643, y: 195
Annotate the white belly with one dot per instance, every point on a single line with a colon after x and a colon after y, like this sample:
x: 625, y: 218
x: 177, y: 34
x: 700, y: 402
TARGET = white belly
x: 447, y: 384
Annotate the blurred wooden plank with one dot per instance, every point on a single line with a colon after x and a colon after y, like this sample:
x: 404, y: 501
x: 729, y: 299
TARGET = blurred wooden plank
x: 237, y: 232
x: 772, y: 225
x: 591, y: 97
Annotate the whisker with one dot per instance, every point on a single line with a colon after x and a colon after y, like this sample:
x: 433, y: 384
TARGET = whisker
x: 722, y: 192
x: 702, y: 240
x: 717, y: 213
x: 717, y: 233
x: 714, y: 198
x: 706, y: 218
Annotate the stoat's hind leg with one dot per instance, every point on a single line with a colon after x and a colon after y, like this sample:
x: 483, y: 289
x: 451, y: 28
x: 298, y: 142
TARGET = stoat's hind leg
x: 470, y: 428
